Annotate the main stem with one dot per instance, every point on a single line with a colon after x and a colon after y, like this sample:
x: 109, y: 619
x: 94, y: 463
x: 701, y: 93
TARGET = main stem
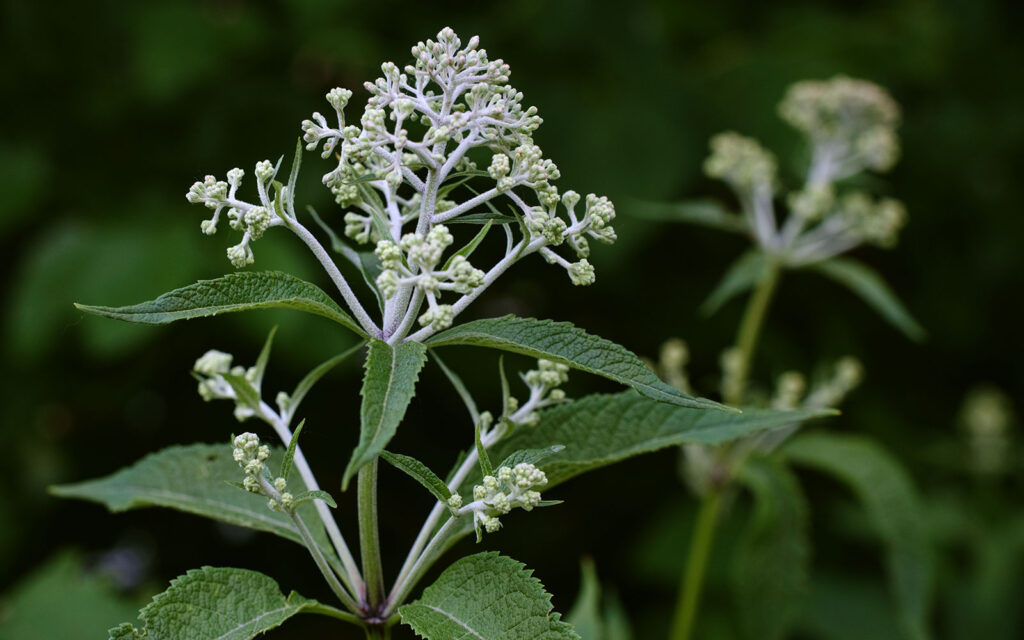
x: 692, y: 582
x: 696, y: 563
x: 369, y: 537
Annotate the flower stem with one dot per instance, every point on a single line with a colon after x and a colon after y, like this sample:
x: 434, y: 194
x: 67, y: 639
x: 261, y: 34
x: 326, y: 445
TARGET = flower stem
x: 750, y: 329
x: 696, y: 563
x: 369, y: 535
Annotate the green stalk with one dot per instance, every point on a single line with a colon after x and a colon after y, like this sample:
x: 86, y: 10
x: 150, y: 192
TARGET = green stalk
x: 750, y: 329
x: 369, y: 536
x: 692, y: 581
x: 693, y: 576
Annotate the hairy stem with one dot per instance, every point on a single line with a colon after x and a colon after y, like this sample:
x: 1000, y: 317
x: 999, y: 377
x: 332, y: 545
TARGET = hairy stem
x: 321, y: 563
x: 369, y: 536
x: 431, y: 552
x: 696, y: 563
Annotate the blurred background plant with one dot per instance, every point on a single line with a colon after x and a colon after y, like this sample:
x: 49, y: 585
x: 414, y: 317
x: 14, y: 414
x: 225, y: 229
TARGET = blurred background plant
x: 112, y: 109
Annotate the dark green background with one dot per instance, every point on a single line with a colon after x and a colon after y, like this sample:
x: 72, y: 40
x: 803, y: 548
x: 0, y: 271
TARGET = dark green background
x: 111, y: 110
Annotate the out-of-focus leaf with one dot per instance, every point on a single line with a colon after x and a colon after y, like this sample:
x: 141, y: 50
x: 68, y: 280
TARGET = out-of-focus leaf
x: 705, y: 213
x: 869, y: 285
x: 743, y: 274
x: 891, y: 502
x: 771, y: 567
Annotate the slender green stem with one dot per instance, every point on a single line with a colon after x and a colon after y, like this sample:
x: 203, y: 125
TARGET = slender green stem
x: 377, y: 632
x: 750, y: 329
x: 321, y: 563
x: 696, y: 563
x: 437, y: 545
x: 324, y: 610
x: 707, y: 516
x: 369, y: 536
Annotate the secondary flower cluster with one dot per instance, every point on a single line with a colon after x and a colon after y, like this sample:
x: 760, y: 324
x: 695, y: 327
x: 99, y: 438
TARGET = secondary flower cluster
x: 218, y: 380
x: 850, y: 126
x: 251, y: 456
x: 508, y: 488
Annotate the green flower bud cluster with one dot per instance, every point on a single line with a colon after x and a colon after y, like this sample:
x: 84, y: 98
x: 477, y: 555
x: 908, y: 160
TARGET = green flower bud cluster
x: 855, y: 119
x: 987, y: 418
x: 509, y: 488
x: 673, y: 357
x: 543, y: 383
x: 832, y: 390
x: 251, y: 456
x: 789, y: 389
x: 851, y: 127
x: 252, y: 219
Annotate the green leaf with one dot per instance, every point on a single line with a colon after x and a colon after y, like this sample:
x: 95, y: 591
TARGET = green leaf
x: 885, y: 490
x: 215, y: 603
x: 486, y: 468
x: 420, y: 473
x: 193, y: 478
x: 531, y: 456
x: 234, y: 292
x: 772, y: 561
x: 599, y: 430
x: 61, y: 600
x: 317, y: 494
x: 314, y: 376
x: 483, y: 218
x: 706, y: 213
x: 486, y: 597
x: 388, y: 388
x: 289, y: 454
x: 264, y: 357
x: 562, y: 342
x: 743, y: 274
x: 471, y: 246
x: 869, y: 285
x: 460, y: 388
x: 585, y: 615
x: 293, y: 175
x: 244, y: 391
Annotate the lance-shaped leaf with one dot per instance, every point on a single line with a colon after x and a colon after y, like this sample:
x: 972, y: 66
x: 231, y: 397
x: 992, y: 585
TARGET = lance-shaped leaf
x: 194, y: 478
x: 869, y: 285
x: 388, y: 388
x: 311, y: 378
x: 771, y: 569
x: 743, y: 274
x: 234, y: 292
x: 214, y: 603
x: 706, y: 213
x: 885, y: 490
x: 599, y: 430
x: 420, y: 473
x: 486, y: 597
x: 564, y: 343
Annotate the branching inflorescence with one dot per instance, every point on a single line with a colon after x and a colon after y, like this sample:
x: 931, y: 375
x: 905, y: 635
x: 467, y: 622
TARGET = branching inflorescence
x: 399, y: 176
x: 851, y: 127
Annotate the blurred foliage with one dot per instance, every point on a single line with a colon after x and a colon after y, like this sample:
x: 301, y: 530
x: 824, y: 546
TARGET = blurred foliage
x: 111, y: 109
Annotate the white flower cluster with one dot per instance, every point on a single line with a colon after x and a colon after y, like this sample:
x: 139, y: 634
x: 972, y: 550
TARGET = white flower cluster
x: 851, y: 127
x: 543, y: 383
x: 212, y: 367
x: 414, y: 261
x: 509, y: 488
x: 251, y: 456
x: 827, y: 392
x: 252, y: 219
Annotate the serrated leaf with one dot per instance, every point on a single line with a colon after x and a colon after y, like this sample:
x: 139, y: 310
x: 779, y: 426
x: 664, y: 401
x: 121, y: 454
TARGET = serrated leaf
x: 869, y: 285
x: 234, y: 292
x: 314, y: 376
x: 564, y: 343
x: 289, y: 454
x: 772, y: 560
x: 885, y: 490
x: 706, y: 213
x: 193, y: 478
x: 420, y: 473
x: 743, y: 274
x: 214, y: 603
x: 599, y: 430
x: 486, y: 597
x: 388, y: 388
x: 460, y: 388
